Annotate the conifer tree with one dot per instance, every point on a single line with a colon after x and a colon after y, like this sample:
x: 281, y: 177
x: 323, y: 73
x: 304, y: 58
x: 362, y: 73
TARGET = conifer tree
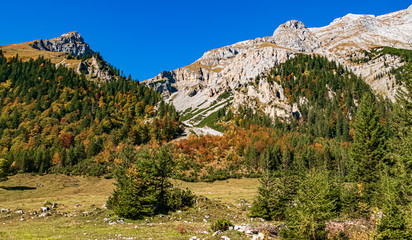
x: 403, y: 120
x: 368, y: 149
x: 311, y: 208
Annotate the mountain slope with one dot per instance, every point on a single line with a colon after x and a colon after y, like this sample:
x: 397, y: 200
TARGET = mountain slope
x: 194, y: 88
x: 53, y: 119
x: 69, y: 50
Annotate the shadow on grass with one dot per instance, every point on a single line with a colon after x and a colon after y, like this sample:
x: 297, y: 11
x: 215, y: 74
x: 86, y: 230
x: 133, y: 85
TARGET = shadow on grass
x: 18, y: 188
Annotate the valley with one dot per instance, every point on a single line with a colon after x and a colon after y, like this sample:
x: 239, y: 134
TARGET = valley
x: 305, y: 134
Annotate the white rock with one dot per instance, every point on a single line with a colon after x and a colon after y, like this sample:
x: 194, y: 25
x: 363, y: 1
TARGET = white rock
x: 231, y: 67
x: 216, y: 233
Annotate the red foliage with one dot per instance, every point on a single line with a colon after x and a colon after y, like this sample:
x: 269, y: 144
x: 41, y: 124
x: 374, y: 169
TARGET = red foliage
x: 66, y: 139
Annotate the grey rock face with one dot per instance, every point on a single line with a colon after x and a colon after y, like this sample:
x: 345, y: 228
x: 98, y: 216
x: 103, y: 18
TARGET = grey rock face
x: 71, y: 42
x: 232, y: 68
x: 294, y: 35
x: 95, y: 69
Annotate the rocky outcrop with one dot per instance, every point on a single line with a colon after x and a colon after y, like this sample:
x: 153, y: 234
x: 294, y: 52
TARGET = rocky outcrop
x: 95, y: 69
x: 71, y: 42
x: 267, y: 98
x: 293, y: 34
x: 230, y: 68
x: 218, y: 71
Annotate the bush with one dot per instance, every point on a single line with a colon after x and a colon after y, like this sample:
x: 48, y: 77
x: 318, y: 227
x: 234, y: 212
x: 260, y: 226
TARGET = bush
x: 178, y: 199
x: 221, y: 224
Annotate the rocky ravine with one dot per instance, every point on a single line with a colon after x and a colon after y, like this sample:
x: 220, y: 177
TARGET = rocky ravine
x: 194, y: 89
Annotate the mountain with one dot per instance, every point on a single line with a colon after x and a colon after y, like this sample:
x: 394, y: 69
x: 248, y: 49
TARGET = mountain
x: 69, y: 50
x: 195, y: 89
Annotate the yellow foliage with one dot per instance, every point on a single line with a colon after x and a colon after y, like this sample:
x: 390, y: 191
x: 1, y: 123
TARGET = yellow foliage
x: 101, y: 102
x: 148, y: 110
x: 56, y: 159
x: 117, y: 161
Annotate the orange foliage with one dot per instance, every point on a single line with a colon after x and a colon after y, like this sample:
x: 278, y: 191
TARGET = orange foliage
x: 56, y: 159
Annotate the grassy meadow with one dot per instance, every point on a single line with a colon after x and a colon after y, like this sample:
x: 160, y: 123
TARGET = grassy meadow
x: 80, y: 213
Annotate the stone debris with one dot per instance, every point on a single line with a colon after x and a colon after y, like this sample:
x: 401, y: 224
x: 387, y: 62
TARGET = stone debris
x: 45, y: 214
x: 44, y: 209
x: 216, y: 233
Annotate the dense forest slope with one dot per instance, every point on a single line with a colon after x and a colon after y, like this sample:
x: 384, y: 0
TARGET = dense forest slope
x: 54, y: 118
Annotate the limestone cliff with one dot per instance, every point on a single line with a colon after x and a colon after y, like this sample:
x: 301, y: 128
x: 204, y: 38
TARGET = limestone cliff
x: 195, y: 88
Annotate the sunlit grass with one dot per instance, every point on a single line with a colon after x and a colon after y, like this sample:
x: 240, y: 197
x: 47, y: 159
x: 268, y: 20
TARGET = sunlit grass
x: 90, y: 221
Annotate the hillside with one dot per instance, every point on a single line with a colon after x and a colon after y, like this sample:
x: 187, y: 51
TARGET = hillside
x: 54, y: 119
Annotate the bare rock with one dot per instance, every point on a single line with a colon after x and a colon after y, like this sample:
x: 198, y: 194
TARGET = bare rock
x: 71, y: 42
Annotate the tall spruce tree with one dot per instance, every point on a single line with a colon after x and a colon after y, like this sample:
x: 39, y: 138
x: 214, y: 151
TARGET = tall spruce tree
x: 403, y: 119
x: 312, y: 207
x: 368, y: 148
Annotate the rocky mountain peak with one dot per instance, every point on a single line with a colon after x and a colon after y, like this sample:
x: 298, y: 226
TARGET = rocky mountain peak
x: 293, y: 25
x: 71, y: 42
x: 294, y: 35
x: 72, y: 37
x: 197, y: 88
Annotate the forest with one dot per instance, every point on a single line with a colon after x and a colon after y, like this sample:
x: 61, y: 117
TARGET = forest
x: 55, y: 120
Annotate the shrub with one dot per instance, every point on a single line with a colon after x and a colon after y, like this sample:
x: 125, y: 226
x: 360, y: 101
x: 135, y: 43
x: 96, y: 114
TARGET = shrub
x: 221, y: 224
x: 177, y: 199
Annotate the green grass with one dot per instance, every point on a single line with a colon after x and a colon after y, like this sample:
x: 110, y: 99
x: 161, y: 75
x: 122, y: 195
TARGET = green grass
x: 229, y: 191
x: 28, y: 192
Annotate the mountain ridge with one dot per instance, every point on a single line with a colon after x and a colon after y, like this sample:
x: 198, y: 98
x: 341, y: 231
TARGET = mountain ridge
x: 199, y: 84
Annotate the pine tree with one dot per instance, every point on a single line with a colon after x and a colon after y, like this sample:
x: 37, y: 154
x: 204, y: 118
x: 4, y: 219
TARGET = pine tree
x: 393, y: 224
x: 403, y: 120
x: 311, y: 208
x: 369, y: 148
x: 143, y: 185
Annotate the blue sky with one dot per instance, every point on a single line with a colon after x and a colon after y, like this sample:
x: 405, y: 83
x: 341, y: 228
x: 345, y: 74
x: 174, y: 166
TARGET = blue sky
x: 144, y: 38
